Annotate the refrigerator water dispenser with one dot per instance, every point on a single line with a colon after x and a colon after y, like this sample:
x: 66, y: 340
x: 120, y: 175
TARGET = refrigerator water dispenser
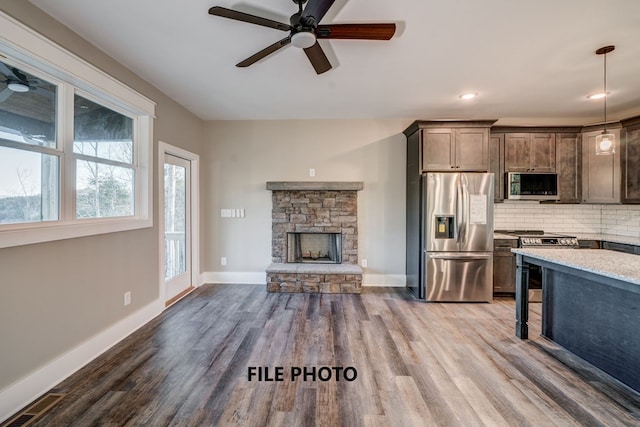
x: 445, y: 226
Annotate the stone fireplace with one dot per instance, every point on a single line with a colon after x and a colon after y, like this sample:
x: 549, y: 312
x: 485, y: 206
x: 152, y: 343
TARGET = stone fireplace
x: 314, y: 237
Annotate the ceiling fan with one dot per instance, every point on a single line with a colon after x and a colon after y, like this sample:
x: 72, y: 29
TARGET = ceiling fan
x: 305, y: 30
x: 17, y: 81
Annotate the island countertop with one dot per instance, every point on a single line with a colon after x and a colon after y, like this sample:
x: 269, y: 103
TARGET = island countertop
x: 590, y: 305
x: 616, y: 265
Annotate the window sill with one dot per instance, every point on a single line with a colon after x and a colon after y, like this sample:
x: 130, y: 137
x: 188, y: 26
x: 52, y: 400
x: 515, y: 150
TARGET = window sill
x: 40, y: 233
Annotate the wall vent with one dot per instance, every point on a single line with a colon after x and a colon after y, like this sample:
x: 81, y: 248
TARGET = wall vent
x: 35, y: 411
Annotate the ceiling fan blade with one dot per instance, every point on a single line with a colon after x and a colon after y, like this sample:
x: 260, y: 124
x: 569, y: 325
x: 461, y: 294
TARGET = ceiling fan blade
x: 245, y: 17
x: 7, y: 72
x: 356, y: 31
x: 318, y: 59
x: 264, y: 52
x: 5, y: 93
x: 317, y: 9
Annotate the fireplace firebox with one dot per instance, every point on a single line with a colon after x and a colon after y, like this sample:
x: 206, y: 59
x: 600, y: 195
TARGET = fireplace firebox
x: 321, y: 248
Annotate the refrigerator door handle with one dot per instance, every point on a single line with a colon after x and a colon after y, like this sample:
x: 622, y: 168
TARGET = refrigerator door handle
x: 460, y: 256
x: 459, y: 210
x: 465, y: 207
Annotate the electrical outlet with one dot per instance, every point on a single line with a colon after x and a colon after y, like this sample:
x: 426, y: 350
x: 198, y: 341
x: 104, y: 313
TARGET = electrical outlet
x: 223, y: 260
x: 127, y: 298
x: 312, y: 172
x: 363, y: 263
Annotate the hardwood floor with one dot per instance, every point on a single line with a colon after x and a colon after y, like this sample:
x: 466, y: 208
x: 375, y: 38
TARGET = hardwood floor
x: 417, y: 364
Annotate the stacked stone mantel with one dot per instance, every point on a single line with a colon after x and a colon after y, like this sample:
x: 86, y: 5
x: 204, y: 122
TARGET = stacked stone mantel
x: 308, y: 207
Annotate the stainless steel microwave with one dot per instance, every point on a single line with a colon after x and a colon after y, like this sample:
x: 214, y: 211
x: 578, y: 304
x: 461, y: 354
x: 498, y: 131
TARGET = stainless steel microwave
x: 532, y: 186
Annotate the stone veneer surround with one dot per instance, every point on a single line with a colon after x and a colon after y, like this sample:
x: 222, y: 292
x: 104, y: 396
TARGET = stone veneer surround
x: 314, y: 207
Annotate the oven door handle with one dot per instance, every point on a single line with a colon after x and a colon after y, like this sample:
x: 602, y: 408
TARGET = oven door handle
x: 460, y: 256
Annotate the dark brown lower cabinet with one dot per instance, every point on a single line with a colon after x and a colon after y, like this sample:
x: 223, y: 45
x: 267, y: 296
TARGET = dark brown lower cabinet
x: 504, y: 266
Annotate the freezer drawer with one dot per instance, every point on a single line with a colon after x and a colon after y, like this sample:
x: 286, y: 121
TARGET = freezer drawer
x: 459, y: 276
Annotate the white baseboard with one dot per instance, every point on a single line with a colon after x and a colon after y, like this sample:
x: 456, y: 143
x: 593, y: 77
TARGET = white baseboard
x: 387, y: 280
x: 26, y: 390
x: 252, y: 278
x: 234, y: 277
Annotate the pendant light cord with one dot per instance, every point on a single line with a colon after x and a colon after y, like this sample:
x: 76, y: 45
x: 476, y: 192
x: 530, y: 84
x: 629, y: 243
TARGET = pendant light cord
x: 605, y: 93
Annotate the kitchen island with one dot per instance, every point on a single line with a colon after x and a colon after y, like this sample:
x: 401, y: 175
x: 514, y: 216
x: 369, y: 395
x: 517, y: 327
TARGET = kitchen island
x: 590, y: 305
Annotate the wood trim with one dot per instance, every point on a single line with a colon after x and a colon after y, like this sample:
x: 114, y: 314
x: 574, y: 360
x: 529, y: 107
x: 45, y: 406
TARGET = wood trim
x: 314, y: 186
x: 632, y: 123
x: 179, y: 296
x: 536, y: 129
x: 422, y: 124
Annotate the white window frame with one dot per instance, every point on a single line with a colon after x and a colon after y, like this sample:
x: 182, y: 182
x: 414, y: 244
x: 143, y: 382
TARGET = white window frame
x: 22, y: 45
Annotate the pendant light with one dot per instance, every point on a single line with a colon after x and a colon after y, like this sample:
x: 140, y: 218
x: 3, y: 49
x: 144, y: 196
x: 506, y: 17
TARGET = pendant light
x: 605, y: 142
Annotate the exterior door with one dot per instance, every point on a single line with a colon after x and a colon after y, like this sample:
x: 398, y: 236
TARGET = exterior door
x: 177, y: 226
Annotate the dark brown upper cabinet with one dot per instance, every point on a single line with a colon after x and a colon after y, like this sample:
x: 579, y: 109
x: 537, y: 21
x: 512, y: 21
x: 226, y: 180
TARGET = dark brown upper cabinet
x: 530, y: 152
x: 452, y: 146
x: 569, y: 167
x: 600, y: 174
x: 630, y: 159
x: 496, y: 165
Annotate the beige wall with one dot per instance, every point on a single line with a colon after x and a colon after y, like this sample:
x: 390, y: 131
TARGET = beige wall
x: 55, y: 296
x: 241, y: 156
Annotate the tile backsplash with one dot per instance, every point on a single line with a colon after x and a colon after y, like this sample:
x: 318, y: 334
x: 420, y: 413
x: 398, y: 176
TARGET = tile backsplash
x: 623, y: 220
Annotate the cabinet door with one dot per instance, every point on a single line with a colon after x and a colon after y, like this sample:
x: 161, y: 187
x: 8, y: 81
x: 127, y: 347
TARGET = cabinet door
x: 496, y: 165
x: 504, y: 266
x: 543, y: 152
x: 504, y: 273
x: 600, y: 174
x: 437, y: 150
x: 630, y: 156
x: 568, y: 165
x: 517, y: 152
x: 472, y: 149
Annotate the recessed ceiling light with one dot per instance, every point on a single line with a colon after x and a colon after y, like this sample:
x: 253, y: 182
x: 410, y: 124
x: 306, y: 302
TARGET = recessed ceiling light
x: 599, y: 95
x: 468, y: 96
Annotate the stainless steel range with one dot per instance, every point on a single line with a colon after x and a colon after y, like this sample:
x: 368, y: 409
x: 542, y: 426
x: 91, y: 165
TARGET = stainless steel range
x: 547, y: 241
x: 540, y: 239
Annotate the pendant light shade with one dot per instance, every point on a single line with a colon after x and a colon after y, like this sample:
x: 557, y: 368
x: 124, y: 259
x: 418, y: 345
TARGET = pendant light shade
x: 605, y: 142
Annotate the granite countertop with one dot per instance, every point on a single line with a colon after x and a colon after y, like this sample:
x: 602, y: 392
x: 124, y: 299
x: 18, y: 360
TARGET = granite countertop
x: 504, y: 236
x: 609, y: 238
x: 617, y: 265
x: 586, y: 236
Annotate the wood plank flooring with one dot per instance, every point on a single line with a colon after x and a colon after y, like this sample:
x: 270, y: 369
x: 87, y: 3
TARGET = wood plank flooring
x: 419, y: 364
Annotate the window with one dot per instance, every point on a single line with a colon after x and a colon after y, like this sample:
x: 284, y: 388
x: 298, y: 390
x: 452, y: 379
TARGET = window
x: 75, y: 153
x: 103, y: 145
x: 29, y: 159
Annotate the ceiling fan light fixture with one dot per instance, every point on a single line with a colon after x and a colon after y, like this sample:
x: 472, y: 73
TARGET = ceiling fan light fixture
x: 303, y: 39
x: 605, y: 142
x: 18, y: 87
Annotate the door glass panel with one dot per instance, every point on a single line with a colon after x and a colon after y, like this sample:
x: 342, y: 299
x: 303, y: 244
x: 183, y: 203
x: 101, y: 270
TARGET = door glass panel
x: 175, y: 220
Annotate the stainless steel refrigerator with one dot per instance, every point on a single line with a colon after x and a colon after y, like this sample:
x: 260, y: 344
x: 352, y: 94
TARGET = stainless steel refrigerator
x: 455, y: 238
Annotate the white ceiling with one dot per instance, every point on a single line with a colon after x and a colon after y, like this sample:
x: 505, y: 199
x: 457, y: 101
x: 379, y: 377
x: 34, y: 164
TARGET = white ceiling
x: 531, y: 62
